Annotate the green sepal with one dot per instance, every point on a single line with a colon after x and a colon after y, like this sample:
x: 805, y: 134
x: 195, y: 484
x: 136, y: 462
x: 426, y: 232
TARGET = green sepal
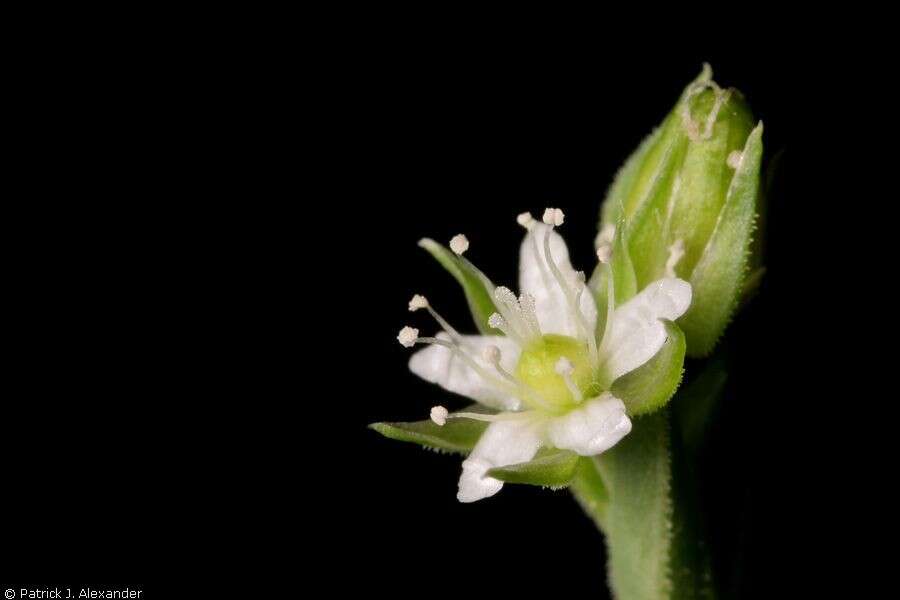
x: 476, y: 286
x: 718, y: 278
x: 650, y: 386
x: 551, y: 468
x: 457, y: 435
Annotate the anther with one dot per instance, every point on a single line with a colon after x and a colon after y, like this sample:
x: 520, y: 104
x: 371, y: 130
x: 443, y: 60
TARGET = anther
x: 526, y: 220
x: 418, y: 301
x: 459, y: 244
x: 408, y: 336
x: 439, y: 415
x: 604, y: 252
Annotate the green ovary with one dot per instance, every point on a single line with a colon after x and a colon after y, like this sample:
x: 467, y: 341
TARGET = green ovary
x: 537, y: 370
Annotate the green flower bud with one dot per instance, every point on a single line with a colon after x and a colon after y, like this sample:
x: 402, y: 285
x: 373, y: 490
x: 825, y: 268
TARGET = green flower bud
x: 687, y: 198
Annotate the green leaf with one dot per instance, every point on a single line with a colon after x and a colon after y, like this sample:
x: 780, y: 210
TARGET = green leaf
x: 626, y: 180
x: 589, y: 490
x: 650, y: 386
x: 718, y: 277
x: 475, y: 284
x: 550, y: 468
x: 457, y: 435
x: 638, y: 520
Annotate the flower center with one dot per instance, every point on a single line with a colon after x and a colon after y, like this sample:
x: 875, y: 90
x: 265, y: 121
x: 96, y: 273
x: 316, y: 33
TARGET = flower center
x: 539, y: 369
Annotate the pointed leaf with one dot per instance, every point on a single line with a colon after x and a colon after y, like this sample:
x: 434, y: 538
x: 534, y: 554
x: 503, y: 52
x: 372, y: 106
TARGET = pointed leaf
x: 477, y: 287
x: 717, y: 278
x: 456, y: 435
x: 650, y: 386
x: 589, y: 490
x: 550, y: 468
x: 639, y: 513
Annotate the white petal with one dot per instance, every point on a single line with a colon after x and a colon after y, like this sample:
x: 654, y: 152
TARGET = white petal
x: 592, y: 428
x: 502, y: 443
x: 535, y: 278
x: 636, y: 333
x: 440, y: 365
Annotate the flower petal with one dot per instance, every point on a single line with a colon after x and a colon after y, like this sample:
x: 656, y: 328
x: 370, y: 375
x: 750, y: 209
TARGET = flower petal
x: 503, y: 443
x: 440, y: 365
x: 592, y: 428
x: 636, y: 333
x: 535, y: 278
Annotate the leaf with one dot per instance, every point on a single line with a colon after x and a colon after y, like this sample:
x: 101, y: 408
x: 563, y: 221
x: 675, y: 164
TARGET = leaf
x: 638, y: 520
x: 477, y: 287
x: 589, y: 490
x: 626, y: 180
x: 717, y: 279
x: 457, y: 435
x: 550, y: 468
x: 652, y: 385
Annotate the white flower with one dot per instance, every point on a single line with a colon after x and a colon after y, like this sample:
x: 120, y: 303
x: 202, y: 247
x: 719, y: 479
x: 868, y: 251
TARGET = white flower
x: 549, y: 375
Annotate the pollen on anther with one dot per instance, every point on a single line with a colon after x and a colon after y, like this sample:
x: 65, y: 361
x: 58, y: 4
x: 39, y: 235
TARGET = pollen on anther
x: 735, y: 158
x: 408, y: 336
x: 439, y: 415
x: 418, y: 301
x: 491, y: 354
x: 554, y: 216
x: 459, y: 244
x: 564, y: 366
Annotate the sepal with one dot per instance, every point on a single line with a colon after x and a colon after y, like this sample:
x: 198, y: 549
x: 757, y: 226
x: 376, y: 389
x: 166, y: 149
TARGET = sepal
x: 476, y: 286
x: 457, y: 436
x: 650, y: 386
x: 550, y: 468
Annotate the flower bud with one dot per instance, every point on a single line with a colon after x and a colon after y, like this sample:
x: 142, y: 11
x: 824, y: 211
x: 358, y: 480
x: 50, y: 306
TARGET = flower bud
x: 688, y: 199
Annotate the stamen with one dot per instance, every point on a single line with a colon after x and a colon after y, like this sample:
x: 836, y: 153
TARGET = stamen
x: 453, y: 347
x: 504, y: 416
x: 526, y: 220
x: 459, y: 244
x: 676, y: 251
x: 439, y: 415
x: 528, y: 307
x: 495, y: 321
x: 734, y: 159
x: 408, y: 336
x: 565, y: 368
x: 418, y: 301
x: 610, y: 308
x: 509, y: 307
x: 580, y: 321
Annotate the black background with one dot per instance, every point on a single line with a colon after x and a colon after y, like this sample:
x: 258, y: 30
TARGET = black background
x: 214, y: 256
